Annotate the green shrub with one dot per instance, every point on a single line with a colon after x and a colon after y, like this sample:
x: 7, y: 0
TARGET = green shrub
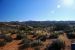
x: 8, y: 39
x: 36, y: 48
x: 36, y: 43
x: 20, y: 36
x: 54, y: 35
x: 25, y: 43
x: 71, y: 35
x: 24, y: 46
x: 56, y: 45
x: 42, y: 38
x: 2, y: 43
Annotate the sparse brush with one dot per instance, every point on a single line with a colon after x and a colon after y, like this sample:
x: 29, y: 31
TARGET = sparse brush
x: 42, y: 38
x: 20, y: 36
x: 24, y: 41
x: 54, y: 35
x: 2, y: 43
x: 70, y: 35
x: 8, y: 39
x: 56, y: 45
x: 24, y: 44
x: 36, y: 48
x: 36, y: 43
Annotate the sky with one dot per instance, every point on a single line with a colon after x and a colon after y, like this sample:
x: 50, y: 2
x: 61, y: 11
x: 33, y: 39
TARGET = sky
x: 37, y: 10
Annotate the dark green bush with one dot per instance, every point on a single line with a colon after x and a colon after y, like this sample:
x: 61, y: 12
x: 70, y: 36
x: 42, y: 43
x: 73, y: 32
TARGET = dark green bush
x: 20, y: 36
x: 36, y: 43
x: 42, y: 38
x: 54, y: 35
x: 2, y: 43
x: 25, y: 43
x: 56, y: 45
x: 8, y: 39
x: 24, y: 46
x: 71, y: 35
x: 36, y: 48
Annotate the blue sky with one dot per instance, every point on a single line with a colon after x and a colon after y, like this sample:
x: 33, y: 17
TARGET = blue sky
x: 38, y: 10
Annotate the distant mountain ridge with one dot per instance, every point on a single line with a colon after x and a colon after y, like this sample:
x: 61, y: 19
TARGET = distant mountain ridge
x: 40, y: 22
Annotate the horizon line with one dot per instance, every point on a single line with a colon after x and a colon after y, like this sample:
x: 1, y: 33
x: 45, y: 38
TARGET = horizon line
x: 39, y: 20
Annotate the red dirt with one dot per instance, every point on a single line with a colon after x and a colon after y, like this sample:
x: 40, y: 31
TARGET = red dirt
x: 67, y: 42
x: 14, y: 44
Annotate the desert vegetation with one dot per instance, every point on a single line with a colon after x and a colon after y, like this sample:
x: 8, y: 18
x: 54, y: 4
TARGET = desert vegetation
x: 37, y: 35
